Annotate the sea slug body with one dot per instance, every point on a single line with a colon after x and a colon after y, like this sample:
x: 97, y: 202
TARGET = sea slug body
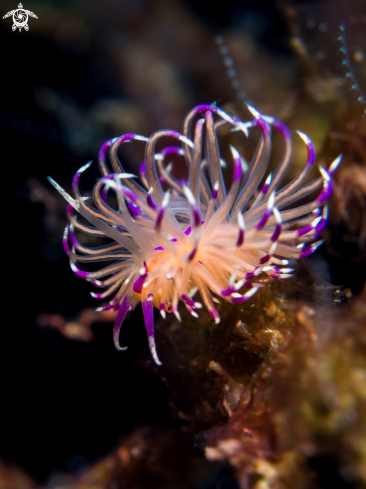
x: 175, y: 238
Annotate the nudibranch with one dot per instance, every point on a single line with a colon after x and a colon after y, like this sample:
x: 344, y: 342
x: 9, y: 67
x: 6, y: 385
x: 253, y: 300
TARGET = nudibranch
x: 174, y: 239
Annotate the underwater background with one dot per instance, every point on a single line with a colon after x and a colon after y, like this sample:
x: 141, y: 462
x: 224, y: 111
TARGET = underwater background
x: 273, y: 397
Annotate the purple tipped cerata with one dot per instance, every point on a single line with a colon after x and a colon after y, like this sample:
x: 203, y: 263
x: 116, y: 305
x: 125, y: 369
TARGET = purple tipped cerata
x: 174, y: 238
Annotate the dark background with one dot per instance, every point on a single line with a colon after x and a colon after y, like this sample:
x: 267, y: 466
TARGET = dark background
x: 65, y: 403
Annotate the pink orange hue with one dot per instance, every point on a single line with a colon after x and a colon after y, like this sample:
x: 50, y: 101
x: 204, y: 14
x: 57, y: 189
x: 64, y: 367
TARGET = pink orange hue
x: 175, y: 238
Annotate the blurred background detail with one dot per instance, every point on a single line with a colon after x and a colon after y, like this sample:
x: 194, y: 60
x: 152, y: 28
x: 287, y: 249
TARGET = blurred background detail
x: 74, y: 412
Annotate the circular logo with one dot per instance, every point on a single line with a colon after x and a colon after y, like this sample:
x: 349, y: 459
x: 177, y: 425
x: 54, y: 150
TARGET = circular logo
x: 20, y: 19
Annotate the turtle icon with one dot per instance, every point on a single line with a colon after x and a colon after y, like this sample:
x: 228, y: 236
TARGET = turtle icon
x: 20, y: 17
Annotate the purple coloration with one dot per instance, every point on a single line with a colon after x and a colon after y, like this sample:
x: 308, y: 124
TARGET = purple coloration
x: 98, y: 283
x: 204, y: 108
x: 228, y: 291
x: 104, y: 195
x: 135, y: 211
x: 263, y: 126
x: 173, y: 240
x: 238, y: 300
x: 159, y: 219
x: 214, y: 314
x: 130, y: 224
x: 111, y: 176
x: 139, y: 283
x: 129, y: 194
x: 192, y: 254
x: 276, y: 233
x: 73, y: 240
x: 97, y: 296
x: 237, y: 170
x: 264, y: 219
x: 107, y: 307
x: 142, y: 168
x: 326, y: 192
x: 104, y: 149
x: 250, y: 275
x: 264, y: 259
x: 188, y: 231
x: 171, y: 150
x: 310, y: 147
x: 305, y: 230
x: 196, y: 216
x: 187, y: 300
x: 190, y: 309
x: 173, y: 134
x: 321, y: 225
x: 65, y: 241
x: 78, y: 272
x: 282, y: 128
x: 240, y: 238
x: 150, y: 202
x: 119, y: 320
x: 306, y: 252
x: 75, y: 180
x: 124, y: 138
x: 324, y: 195
x: 69, y: 210
x: 311, y: 154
